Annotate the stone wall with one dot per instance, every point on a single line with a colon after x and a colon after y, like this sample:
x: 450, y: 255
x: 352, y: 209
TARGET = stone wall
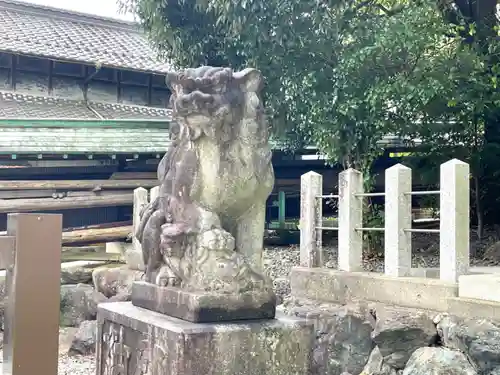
x: 375, y: 339
x: 358, y: 338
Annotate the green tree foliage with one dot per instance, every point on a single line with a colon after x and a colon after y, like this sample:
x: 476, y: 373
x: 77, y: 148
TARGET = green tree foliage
x: 342, y: 74
x: 339, y: 74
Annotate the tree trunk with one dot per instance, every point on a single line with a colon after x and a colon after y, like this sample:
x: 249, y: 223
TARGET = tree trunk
x: 490, y: 177
x: 479, y: 208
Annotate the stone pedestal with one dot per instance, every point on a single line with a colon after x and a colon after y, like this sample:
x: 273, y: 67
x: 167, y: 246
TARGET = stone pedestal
x: 204, y: 307
x: 135, y: 341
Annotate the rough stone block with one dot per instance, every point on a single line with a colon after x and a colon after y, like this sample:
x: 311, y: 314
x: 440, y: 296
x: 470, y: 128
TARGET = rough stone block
x: 203, y: 307
x: 134, y: 260
x: 135, y: 341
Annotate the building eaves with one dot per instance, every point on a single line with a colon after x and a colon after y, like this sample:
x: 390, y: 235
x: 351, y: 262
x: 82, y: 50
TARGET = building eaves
x: 16, y: 105
x: 83, y: 140
x: 62, y: 35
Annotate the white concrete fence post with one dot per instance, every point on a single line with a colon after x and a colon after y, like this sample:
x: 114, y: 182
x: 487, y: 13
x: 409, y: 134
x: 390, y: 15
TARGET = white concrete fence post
x: 398, y: 217
x: 350, y: 254
x: 153, y: 193
x: 454, y: 220
x: 311, y: 215
x: 140, y: 200
x: 133, y: 256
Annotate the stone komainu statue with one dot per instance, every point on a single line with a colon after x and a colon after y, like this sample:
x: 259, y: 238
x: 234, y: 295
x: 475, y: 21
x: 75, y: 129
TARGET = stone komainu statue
x: 205, y: 230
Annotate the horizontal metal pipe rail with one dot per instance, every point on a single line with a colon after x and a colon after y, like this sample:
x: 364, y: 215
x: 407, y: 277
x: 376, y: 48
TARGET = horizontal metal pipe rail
x: 370, y: 229
x: 369, y: 195
x: 411, y: 230
x: 429, y: 192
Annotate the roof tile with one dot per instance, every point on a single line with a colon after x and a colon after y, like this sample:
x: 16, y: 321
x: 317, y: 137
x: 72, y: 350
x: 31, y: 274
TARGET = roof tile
x: 17, y: 105
x: 69, y: 36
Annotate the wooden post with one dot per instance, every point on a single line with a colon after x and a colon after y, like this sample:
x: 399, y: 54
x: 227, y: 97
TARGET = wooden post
x: 350, y: 219
x: 311, y: 213
x: 397, y: 241
x: 454, y: 220
x: 33, y: 294
x: 281, y: 209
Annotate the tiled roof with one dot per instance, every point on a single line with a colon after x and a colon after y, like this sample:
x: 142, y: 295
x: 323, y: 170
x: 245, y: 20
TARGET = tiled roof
x: 16, y: 105
x: 69, y: 36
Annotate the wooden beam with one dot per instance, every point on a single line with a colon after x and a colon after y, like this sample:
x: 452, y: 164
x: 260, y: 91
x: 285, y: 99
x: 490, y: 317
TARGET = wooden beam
x: 118, y: 77
x: 89, y: 256
x: 133, y: 176
x: 17, y: 194
x: 13, y: 75
x: 112, y: 224
x: 99, y: 235
x: 49, y: 204
x: 101, y: 193
x: 51, y: 77
x: 150, y: 89
x: 101, y: 226
x: 76, y: 184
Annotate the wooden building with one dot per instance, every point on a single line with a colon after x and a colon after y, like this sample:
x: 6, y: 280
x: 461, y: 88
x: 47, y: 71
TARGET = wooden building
x: 81, y: 98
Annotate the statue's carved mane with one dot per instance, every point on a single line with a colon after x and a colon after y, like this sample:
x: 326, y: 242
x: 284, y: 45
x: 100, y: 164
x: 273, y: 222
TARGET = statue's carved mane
x: 205, y: 76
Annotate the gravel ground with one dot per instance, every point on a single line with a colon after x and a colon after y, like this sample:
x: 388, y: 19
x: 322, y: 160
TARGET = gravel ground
x: 77, y: 365
x: 279, y: 260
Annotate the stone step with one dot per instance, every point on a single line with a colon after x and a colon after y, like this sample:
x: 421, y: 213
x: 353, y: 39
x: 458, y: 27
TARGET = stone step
x: 473, y: 308
x: 480, y: 286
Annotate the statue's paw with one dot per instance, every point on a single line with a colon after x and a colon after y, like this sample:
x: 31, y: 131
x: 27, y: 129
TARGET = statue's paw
x: 174, y: 281
x: 168, y: 280
x: 217, y: 239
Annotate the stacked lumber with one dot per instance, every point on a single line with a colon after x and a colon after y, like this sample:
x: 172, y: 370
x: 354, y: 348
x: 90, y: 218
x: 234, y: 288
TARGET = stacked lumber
x: 95, y: 234
x: 51, y: 195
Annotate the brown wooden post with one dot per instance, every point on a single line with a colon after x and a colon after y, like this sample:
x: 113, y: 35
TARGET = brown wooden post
x: 33, y: 293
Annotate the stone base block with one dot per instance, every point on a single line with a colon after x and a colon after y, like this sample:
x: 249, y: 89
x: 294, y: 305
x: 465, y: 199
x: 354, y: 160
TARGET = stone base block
x: 433, y: 272
x: 203, y: 307
x: 135, y: 341
x: 134, y: 260
x: 474, y: 308
x: 484, y: 287
x: 329, y: 285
